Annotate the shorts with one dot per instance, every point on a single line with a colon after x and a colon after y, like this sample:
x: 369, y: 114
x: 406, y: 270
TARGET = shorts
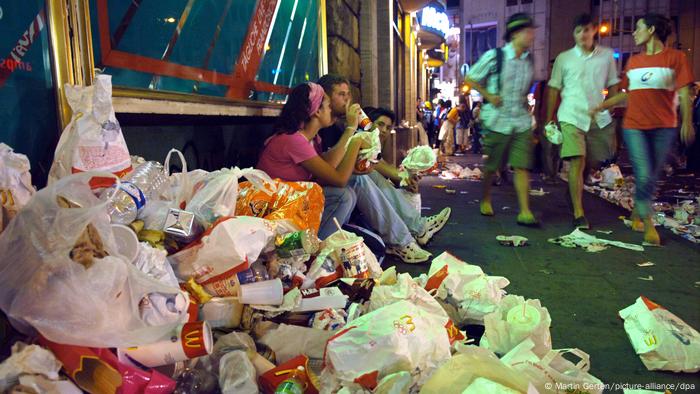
x: 597, y: 145
x: 517, y: 147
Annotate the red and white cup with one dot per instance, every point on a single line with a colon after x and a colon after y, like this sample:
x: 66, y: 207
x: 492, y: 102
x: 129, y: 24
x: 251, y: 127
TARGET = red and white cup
x: 191, y: 340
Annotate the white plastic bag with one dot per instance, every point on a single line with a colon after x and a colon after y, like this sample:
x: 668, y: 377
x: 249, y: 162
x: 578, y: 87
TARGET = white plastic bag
x: 27, y: 359
x: 418, y: 159
x: 466, y: 292
x: 216, y: 194
x: 553, y: 373
x: 97, y: 306
x: 15, y: 180
x: 404, y: 289
x: 93, y: 139
x: 237, y: 374
x: 225, y: 249
x: 470, y: 367
x: 502, y: 334
x: 661, y: 339
x: 289, y: 341
x: 398, y: 337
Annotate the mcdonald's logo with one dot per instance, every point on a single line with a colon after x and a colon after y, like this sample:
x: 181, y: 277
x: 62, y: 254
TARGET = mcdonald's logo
x: 408, y: 320
x: 6, y: 198
x: 650, y: 340
x: 193, y: 339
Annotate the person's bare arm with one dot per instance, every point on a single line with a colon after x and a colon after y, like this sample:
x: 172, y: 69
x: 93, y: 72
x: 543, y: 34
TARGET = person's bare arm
x: 389, y: 171
x: 325, y: 174
x: 334, y: 155
x: 491, y: 98
x: 609, y: 103
x: 687, y: 130
x: 552, y: 97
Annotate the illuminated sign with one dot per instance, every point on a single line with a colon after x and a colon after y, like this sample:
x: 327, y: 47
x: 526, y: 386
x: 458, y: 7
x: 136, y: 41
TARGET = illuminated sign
x: 436, y: 20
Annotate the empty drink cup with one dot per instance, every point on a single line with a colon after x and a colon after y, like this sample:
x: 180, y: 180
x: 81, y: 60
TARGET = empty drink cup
x: 267, y: 292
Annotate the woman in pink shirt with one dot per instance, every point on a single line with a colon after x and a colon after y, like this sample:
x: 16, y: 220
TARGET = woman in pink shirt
x: 293, y: 153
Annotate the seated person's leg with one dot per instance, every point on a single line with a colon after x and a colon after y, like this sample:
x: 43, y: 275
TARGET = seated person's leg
x: 379, y: 212
x: 406, y: 211
x: 339, y: 203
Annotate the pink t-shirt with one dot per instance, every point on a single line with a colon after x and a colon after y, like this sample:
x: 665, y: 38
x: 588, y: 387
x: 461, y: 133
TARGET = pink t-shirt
x: 283, y: 154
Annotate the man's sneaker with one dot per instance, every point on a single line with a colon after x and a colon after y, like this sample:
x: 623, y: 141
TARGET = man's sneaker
x: 410, y: 254
x: 581, y: 223
x: 433, y: 224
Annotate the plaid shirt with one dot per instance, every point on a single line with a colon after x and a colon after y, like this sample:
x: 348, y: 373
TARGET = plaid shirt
x: 516, y: 79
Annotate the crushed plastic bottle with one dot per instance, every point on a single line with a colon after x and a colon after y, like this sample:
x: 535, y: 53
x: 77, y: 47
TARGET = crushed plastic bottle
x: 294, y: 384
x: 145, y: 183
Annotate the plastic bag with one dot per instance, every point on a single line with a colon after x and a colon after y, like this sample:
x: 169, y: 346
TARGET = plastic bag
x: 93, y: 139
x: 288, y: 341
x: 514, y: 321
x: 216, y: 194
x: 154, y: 263
x: 237, y: 374
x: 296, y: 205
x: 464, y: 290
x: 176, y: 193
x: 375, y: 144
x: 398, y: 337
x: 15, y: 183
x: 471, y: 364
x: 104, y: 292
x: 418, y: 159
x: 553, y: 373
x: 553, y: 134
x: 661, y: 339
x: 225, y: 249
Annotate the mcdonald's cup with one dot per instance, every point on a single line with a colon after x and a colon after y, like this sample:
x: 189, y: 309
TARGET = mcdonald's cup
x: 190, y: 340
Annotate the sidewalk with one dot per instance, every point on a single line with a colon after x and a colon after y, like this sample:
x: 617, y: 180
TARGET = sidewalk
x: 583, y: 291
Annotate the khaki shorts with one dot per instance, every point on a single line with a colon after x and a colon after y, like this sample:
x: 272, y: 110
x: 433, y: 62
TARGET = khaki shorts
x: 596, y: 145
x: 516, y: 147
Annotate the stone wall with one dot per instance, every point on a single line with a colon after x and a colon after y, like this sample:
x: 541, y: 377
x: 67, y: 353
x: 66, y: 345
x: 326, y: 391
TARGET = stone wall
x: 342, y: 17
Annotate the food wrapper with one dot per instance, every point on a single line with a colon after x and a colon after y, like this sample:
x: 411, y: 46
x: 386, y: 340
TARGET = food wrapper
x: 419, y: 159
x: 329, y: 319
x: 298, y: 204
x: 272, y: 378
x: 371, y: 137
x: 15, y: 183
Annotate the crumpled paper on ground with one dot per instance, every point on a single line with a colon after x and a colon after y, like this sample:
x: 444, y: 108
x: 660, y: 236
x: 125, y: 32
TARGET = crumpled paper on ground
x: 27, y: 360
x: 591, y: 243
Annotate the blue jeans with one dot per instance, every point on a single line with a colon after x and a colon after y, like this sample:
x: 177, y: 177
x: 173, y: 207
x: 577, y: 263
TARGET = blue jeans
x: 339, y: 203
x: 403, y: 207
x: 648, y: 150
x: 379, y: 212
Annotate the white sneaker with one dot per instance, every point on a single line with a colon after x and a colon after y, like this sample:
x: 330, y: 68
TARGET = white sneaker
x: 433, y: 224
x: 410, y: 254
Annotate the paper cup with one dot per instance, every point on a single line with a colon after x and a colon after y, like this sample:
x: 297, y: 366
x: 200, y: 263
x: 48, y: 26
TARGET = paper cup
x: 267, y: 292
x: 127, y: 241
x: 190, y: 340
x: 523, y: 324
x: 223, y: 312
x: 351, y: 256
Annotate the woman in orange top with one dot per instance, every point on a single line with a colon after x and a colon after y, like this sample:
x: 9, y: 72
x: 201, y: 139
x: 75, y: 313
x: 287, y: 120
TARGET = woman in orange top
x: 650, y: 125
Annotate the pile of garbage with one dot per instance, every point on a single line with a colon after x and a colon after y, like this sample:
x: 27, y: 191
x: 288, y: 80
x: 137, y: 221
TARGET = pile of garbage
x: 125, y: 278
x: 455, y: 171
x: 682, y: 218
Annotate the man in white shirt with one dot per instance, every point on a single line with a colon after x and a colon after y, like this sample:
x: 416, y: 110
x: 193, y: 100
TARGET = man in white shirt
x: 581, y: 75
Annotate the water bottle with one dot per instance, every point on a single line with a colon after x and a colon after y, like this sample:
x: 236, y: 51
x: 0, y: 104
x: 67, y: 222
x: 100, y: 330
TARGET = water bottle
x: 145, y: 183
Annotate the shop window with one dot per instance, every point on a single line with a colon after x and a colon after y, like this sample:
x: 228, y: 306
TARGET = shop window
x: 187, y: 46
x: 510, y: 3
